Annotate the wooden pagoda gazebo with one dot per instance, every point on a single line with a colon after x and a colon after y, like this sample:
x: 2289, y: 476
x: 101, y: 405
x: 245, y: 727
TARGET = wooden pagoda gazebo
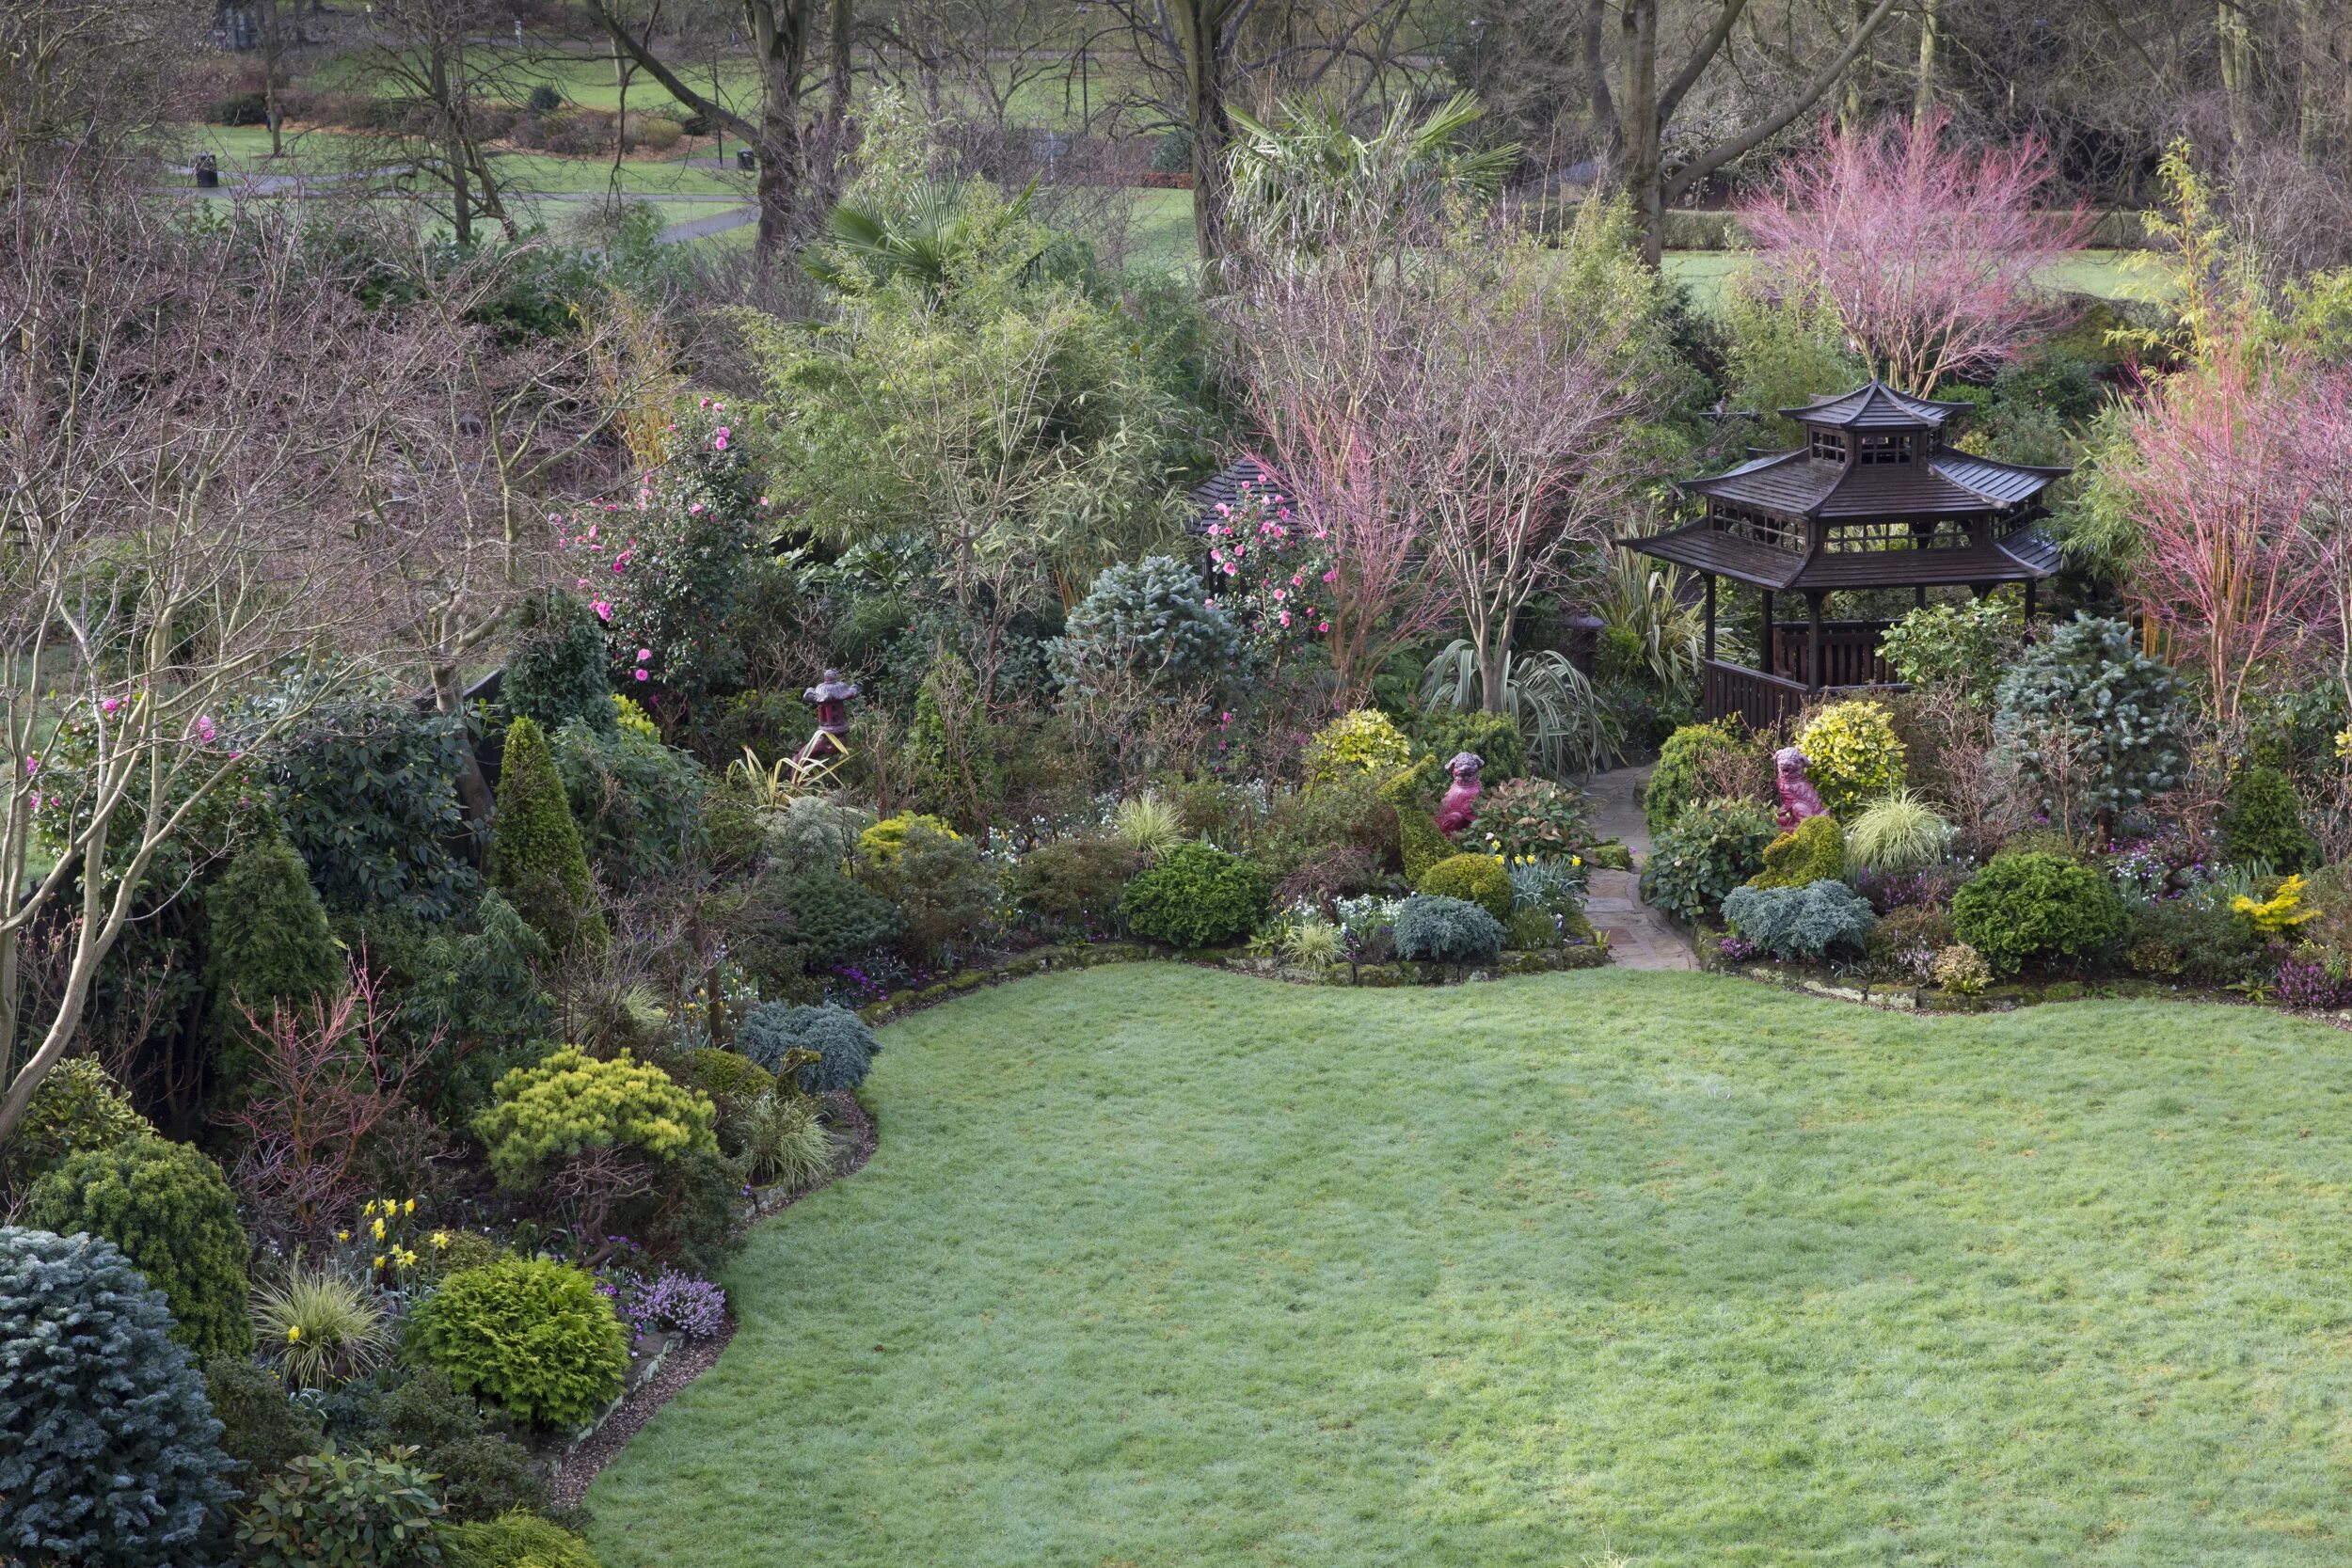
x: 1872, y: 499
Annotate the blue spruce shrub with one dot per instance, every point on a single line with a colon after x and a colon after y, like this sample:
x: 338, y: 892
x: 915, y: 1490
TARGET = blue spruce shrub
x: 845, y: 1046
x: 1149, y: 620
x: 1437, y: 929
x: 1809, y: 922
x: 109, y: 1454
x: 2085, y: 687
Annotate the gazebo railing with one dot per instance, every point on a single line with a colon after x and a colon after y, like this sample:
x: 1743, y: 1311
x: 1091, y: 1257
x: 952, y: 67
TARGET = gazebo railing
x: 1849, y: 652
x: 1764, y: 702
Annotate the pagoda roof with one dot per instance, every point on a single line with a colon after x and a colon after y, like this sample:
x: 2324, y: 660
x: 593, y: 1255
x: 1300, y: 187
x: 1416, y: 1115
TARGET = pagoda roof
x: 2023, y: 555
x: 1875, y: 405
x: 1938, y: 483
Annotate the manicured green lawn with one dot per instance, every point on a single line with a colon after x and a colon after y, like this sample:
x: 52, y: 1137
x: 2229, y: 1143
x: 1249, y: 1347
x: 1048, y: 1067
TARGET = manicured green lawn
x: 1160, y: 1266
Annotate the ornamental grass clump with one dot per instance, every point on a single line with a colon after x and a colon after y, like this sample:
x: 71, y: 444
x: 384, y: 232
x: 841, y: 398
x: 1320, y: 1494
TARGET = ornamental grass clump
x: 109, y: 1454
x: 171, y: 1211
x: 1899, y: 835
x: 1147, y: 826
x: 783, y: 1142
x: 320, y: 1328
x: 1807, y: 923
x: 534, y: 1337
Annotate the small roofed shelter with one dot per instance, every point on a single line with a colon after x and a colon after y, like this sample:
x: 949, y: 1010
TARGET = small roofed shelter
x: 1873, y: 499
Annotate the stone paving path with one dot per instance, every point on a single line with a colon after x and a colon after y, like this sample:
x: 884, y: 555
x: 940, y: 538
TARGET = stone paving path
x: 1638, y: 936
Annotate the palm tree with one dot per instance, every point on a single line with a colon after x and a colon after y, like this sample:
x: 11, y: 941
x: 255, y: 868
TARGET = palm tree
x: 938, y: 227
x: 1310, y: 181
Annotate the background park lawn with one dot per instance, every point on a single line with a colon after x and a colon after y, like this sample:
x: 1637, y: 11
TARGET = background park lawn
x: 1162, y: 1266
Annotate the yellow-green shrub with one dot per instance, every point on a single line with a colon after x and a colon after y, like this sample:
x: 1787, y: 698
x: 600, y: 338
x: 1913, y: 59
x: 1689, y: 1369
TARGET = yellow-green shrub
x: 887, y: 839
x: 1812, y: 851
x: 1479, y: 880
x: 1852, y: 755
x: 533, y: 1337
x: 1363, y: 741
x: 570, y: 1102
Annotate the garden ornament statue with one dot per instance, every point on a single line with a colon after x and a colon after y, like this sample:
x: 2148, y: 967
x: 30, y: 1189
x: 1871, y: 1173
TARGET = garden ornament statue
x: 1799, y: 800
x: 832, y: 697
x: 1461, y: 798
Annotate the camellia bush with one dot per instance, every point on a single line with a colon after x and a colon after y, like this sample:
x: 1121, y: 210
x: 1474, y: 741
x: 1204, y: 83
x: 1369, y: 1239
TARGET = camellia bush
x: 169, y: 1209
x: 533, y: 1337
x: 109, y: 1455
x: 1709, y: 851
x: 570, y: 1102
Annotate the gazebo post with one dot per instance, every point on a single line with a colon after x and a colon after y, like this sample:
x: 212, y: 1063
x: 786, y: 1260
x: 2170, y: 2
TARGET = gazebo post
x: 1710, y: 615
x: 1764, y: 642
x: 1813, y: 639
x: 2030, y: 586
x: 1919, y: 595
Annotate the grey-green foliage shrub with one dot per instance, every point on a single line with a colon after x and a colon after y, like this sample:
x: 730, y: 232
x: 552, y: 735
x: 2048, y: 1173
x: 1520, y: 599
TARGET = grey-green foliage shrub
x: 845, y: 1046
x: 1196, y: 896
x: 261, y: 1426
x: 2085, y: 687
x: 1809, y: 923
x: 557, y: 670
x: 2038, y: 906
x: 1437, y: 929
x: 351, y: 1511
x: 1150, y: 621
x: 2263, y: 820
x: 531, y: 1337
x: 832, y: 919
x: 815, y: 835
x: 169, y: 1209
x: 638, y: 803
x: 515, y: 1540
x: 367, y: 794
x: 1709, y: 851
x: 109, y: 1454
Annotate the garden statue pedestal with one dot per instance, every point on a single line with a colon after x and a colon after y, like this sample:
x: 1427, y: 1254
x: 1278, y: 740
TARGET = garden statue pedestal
x: 1461, y: 798
x: 1799, y: 800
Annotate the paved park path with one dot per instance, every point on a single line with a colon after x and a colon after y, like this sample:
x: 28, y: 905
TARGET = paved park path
x: 1638, y: 936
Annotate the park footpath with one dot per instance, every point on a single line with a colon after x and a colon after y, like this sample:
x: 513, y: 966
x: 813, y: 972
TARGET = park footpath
x: 1638, y: 936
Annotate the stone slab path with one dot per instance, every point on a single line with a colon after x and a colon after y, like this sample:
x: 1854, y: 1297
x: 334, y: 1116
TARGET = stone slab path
x: 1638, y: 936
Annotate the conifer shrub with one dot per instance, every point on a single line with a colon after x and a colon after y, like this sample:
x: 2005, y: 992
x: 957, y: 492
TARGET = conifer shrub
x: 1493, y: 738
x: 2039, y: 908
x: 830, y: 918
x: 1147, y: 621
x: 1361, y: 741
x: 1196, y: 896
x: 1072, y: 884
x: 726, y: 1076
x: 1479, y: 880
x: 1433, y: 928
x: 536, y: 1339
x: 169, y: 1209
x: 636, y: 803
x: 269, y: 945
x: 109, y: 1454
x: 262, y: 1426
x: 2084, y: 714
x: 1808, y: 921
x: 569, y: 1103
x: 536, y: 859
x: 559, y: 669
x: 2263, y: 820
x: 515, y: 1540
x: 937, y: 881
x: 845, y: 1046
x: 1814, y: 850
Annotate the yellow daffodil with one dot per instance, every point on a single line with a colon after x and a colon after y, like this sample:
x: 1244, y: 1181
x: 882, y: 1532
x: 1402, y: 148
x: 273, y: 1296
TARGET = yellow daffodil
x: 379, y: 1230
x: 440, y: 1239
x: 410, y: 1207
x: 293, y: 1332
x: 2344, y: 745
x: 368, y: 1208
x: 379, y: 1260
x: 343, y: 1235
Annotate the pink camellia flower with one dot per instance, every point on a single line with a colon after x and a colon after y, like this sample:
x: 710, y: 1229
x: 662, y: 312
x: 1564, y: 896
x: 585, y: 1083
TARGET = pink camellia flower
x: 604, y: 611
x: 644, y: 656
x: 695, y: 510
x: 1280, y: 595
x: 109, y: 705
x: 1331, y: 574
x: 719, y: 442
x: 205, y: 727
x: 1223, y: 510
x: 764, y: 501
x: 1286, y: 617
x: 1225, y: 717
x: 644, y: 676
x: 1324, y: 627
x: 579, y: 582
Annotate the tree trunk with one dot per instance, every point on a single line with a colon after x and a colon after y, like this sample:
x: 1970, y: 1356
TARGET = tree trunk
x: 1640, y: 117
x: 1200, y: 36
x: 473, y: 790
x: 270, y: 52
x: 1923, y: 99
x: 454, y: 143
x: 780, y: 32
x: 2237, y: 73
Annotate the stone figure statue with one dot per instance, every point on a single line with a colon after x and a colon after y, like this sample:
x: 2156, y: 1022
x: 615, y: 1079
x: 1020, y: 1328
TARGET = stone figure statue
x: 1461, y: 798
x: 1799, y: 800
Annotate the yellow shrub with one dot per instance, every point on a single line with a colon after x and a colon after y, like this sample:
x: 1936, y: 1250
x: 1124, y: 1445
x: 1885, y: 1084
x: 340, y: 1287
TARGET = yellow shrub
x: 1852, y: 755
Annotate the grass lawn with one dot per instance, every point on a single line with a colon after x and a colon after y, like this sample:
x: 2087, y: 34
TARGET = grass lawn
x: 1160, y: 1266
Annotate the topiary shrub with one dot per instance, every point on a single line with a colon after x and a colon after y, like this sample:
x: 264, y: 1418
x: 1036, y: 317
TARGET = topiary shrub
x: 2263, y: 820
x: 1437, y: 929
x: 1709, y: 851
x: 1196, y: 896
x: 109, y: 1454
x: 558, y: 669
x: 1493, y: 736
x: 1072, y: 885
x: 2040, y: 908
x: 77, y: 1106
x: 1363, y: 741
x: 1812, y: 851
x: 1533, y: 817
x: 515, y: 1540
x: 1897, y: 835
x: 1479, y: 880
x: 262, y: 1426
x: 536, y: 859
x: 569, y: 1103
x: 2084, y: 696
x: 728, y: 1077
x: 269, y: 944
x: 533, y: 1337
x: 1805, y: 922
x: 1685, y: 773
x: 845, y: 1046
x: 171, y: 1211
x: 352, y: 1511
x: 1419, y: 844
x: 1852, y: 755
x: 1149, y: 622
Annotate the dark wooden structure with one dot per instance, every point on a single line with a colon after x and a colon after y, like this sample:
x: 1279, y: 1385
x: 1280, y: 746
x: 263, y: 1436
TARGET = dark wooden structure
x: 1873, y: 499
